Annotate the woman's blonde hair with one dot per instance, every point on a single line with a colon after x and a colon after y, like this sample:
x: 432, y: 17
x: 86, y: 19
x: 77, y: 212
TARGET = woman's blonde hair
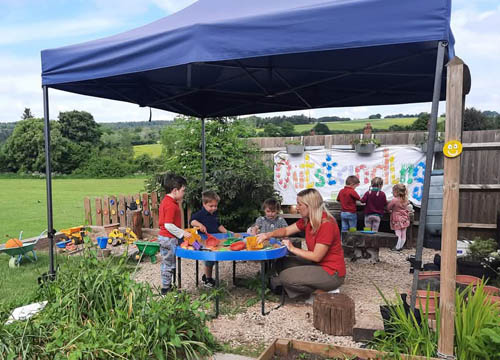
x: 401, y: 192
x: 314, y: 201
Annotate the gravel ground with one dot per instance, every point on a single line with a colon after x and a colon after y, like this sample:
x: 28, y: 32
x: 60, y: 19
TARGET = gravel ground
x: 243, y: 326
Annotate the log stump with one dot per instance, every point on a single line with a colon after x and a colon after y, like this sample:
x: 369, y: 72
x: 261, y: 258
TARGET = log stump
x: 333, y: 314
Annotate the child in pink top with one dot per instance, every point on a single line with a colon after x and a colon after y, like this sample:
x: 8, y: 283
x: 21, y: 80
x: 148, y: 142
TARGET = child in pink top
x: 400, y: 217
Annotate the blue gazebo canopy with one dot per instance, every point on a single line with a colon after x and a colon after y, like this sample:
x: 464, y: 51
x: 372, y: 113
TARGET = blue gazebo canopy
x: 227, y: 57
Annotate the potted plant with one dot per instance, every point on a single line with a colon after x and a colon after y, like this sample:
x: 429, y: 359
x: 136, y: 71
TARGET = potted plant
x: 365, y: 146
x: 482, y: 259
x: 438, y: 144
x: 294, y: 147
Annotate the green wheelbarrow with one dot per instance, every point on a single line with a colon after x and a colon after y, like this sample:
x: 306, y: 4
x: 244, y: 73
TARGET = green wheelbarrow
x: 147, y: 248
x: 18, y: 253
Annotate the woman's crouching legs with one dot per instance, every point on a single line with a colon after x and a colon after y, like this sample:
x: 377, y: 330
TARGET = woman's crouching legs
x: 303, y: 280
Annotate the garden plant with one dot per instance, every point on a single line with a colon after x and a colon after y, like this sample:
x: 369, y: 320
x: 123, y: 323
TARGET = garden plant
x: 95, y: 310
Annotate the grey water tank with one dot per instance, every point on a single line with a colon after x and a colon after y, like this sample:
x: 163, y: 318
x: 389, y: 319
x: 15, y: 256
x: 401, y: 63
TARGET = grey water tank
x: 434, y: 219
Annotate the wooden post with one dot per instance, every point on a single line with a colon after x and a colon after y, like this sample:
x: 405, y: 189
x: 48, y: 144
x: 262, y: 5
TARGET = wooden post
x: 458, y: 80
x: 98, y: 212
x: 105, y: 210
x: 88, y: 211
x: 154, y: 209
x: 122, y: 211
x: 146, y: 214
x: 114, y: 209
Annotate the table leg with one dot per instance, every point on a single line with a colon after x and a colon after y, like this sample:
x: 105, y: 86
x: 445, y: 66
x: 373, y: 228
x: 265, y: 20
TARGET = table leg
x: 179, y: 267
x: 196, y: 274
x: 263, y: 266
x: 217, y: 289
x: 263, y: 279
x: 234, y: 273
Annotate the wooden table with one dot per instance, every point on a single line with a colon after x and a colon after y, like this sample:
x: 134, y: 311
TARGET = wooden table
x: 359, y: 245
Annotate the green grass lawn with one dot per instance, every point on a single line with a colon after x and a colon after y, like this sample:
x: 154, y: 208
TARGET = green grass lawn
x: 359, y: 124
x: 23, y: 202
x: 153, y: 150
x: 18, y: 285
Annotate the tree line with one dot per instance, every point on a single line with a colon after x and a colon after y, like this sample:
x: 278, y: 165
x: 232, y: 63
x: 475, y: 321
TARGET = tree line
x: 79, y: 146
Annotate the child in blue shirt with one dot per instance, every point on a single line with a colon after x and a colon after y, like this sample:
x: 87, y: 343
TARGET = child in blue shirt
x: 207, y: 221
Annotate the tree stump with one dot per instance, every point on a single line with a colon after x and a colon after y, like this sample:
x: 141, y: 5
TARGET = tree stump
x: 333, y: 314
x: 134, y: 221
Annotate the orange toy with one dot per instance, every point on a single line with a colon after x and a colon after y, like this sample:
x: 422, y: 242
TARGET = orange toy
x: 212, y: 241
x: 194, y: 237
x: 13, y: 243
x: 237, y: 246
x: 252, y: 243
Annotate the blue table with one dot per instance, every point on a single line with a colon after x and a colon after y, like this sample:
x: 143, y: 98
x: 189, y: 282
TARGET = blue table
x: 259, y: 255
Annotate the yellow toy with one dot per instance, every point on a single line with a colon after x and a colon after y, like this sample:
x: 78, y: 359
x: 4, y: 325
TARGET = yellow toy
x: 252, y: 243
x: 194, y: 235
x: 116, y: 237
x: 452, y: 148
x: 75, y: 234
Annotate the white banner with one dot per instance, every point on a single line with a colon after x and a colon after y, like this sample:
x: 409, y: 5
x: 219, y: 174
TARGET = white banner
x: 326, y: 171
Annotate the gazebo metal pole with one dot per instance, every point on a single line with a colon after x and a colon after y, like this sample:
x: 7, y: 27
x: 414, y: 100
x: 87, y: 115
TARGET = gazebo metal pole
x: 48, y: 181
x: 428, y: 167
x: 203, y: 154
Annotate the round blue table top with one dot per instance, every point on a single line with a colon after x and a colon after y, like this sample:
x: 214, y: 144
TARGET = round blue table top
x: 243, y: 255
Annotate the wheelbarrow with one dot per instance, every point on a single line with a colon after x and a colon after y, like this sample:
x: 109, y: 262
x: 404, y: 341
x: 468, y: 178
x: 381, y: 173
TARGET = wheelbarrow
x: 18, y: 253
x: 147, y: 248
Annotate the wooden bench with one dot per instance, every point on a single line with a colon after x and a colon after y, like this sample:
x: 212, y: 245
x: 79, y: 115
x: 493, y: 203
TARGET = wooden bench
x: 359, y: 245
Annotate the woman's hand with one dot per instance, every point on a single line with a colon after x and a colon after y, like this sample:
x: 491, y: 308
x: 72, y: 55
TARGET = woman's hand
x: 288, y: 245
x: 187, y: 234
x: 253, y: 230
x: 262, y: 237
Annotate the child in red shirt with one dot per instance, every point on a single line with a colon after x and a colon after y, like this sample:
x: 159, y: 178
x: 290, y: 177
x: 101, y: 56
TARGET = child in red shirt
x: 347, y: 197
x: 170, y: 227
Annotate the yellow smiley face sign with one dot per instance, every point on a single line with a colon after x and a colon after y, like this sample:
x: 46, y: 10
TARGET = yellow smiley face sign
x: 452, y: 148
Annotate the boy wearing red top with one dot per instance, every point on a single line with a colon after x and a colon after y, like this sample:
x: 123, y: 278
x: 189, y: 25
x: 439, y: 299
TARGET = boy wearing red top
x: 170, y: 227
x: 347, y: 197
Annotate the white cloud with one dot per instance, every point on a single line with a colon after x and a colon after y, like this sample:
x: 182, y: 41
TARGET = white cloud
x: 477, y: 43
x: 53, y: 29
x: 173, y: 5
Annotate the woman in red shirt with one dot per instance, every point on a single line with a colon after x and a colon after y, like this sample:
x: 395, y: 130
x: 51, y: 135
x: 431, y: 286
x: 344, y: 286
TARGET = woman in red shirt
x: 321, y: 266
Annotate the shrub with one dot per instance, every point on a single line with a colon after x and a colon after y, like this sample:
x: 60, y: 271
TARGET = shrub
x: 234, y: 169
x: 96, y: 311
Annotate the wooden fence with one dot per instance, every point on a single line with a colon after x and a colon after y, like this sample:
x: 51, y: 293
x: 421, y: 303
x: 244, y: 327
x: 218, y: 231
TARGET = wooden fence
x: 480, y: 169
x: 113, y: 209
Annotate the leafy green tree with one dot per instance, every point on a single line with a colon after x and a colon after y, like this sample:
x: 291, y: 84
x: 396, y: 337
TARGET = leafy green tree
x: 375, y: 116
x: 80, y: 127
x: 475, y: 120
x: 27, y: 114
x: 321, y: 129
x: 234, y: 168
x: 421, y: 123
x: 271, y: 130
x: 25, y: 148
x: 287, y: 129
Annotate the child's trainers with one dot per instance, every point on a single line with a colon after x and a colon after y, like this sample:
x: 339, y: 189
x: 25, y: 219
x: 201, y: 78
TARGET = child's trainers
x: 208, y: 282
x: 164, y: 291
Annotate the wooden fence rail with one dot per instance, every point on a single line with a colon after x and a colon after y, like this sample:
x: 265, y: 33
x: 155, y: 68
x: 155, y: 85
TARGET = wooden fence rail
x: 113, y: 209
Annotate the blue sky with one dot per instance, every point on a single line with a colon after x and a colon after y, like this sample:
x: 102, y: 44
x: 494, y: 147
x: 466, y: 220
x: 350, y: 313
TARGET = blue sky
x: 29, y: 26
